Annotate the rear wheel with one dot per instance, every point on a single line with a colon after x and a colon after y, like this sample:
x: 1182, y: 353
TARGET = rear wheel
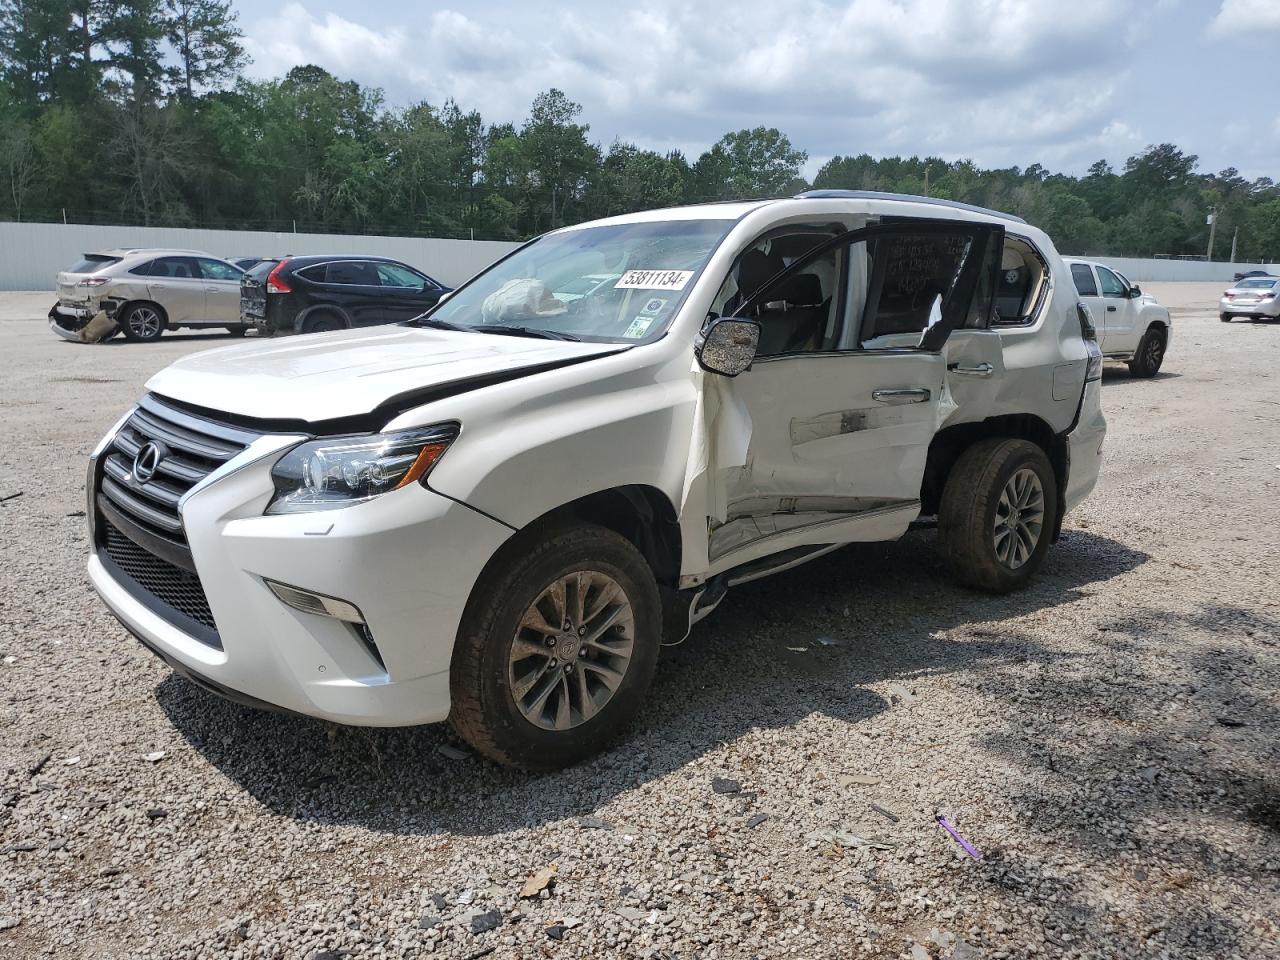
x: 323, y: 322
x: 1224, y: 317
x: 238, y: 331
x: 997, y: 514
x: 143, y: 322
x: 1150, y: 353
x: 557, y: 649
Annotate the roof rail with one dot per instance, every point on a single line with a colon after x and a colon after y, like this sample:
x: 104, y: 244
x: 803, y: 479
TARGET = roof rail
x: 904, y: 197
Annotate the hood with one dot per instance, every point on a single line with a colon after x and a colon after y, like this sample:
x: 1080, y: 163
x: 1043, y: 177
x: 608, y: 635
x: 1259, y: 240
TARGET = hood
x: 328, y: 376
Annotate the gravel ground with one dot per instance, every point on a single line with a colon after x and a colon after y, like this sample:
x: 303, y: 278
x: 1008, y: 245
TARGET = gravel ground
x: 1107, y: 739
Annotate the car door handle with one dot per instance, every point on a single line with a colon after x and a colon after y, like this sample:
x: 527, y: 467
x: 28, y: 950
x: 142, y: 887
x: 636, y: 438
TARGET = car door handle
x: 1111, y: 309
x: 982, y: 369
x: 896, y: 395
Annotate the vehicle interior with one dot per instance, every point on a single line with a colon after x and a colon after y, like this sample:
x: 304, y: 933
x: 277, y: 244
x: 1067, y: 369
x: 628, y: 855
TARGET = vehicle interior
x: 877, y: 294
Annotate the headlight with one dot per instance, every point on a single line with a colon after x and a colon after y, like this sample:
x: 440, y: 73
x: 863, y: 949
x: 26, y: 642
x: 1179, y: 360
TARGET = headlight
x: 341, y: 471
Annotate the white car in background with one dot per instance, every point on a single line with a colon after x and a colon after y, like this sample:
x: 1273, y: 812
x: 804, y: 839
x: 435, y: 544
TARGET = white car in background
x: 1132, y: 326
x: 143, y: 292
x: 498, y: 512
x: 1255, y: 298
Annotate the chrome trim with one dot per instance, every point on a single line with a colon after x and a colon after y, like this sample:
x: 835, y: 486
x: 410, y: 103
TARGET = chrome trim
x: 900, y: 395
x: 212, y: 428
x: 982, y: 369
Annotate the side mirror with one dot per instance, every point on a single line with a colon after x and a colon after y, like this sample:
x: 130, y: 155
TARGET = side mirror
x: 728, y: 346
x: 1135, y: 292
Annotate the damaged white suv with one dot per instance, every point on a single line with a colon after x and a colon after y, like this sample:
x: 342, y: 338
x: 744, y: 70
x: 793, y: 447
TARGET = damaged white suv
x: 498, y: 513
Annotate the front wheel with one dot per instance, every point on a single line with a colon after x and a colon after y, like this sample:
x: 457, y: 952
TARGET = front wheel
x: 142, y: 322
x: 1149, y: 355
x: 997, y: 514
x: 557, y: 649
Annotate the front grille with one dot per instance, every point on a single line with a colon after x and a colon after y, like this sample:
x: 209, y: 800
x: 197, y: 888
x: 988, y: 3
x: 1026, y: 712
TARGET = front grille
x: 139, y: 528
x: 184, y: 450
x: 162, y: 583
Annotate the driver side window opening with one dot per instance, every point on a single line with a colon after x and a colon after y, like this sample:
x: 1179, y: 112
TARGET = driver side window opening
x: 884, y: 292
x: 800, y: 314
x: 1112, y: 286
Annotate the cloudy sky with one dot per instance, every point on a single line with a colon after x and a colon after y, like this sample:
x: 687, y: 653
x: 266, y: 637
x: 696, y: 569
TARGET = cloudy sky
x: 1004, y: 82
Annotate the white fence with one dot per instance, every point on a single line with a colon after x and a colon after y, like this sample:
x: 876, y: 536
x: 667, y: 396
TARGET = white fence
x: 1143, y: 270
x: 31, y: 254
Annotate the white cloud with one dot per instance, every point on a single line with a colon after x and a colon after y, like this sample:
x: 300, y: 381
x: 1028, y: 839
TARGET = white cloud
x: 1246, y: 16
x: 1002, y: 81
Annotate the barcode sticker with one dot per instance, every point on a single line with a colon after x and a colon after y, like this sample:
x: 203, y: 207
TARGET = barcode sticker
x: 653, y: 280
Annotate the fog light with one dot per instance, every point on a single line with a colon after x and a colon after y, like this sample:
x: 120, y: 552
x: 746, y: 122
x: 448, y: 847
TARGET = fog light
x: 317, y: 603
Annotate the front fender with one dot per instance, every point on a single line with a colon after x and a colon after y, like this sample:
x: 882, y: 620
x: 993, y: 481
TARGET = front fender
x: 536, y: 443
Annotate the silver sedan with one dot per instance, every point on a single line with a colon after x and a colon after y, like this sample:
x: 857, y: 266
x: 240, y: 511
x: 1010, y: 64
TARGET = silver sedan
x: 1257, y: 298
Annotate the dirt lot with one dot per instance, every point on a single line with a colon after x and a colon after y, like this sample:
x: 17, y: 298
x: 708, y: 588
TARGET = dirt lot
x: 1106, y: 739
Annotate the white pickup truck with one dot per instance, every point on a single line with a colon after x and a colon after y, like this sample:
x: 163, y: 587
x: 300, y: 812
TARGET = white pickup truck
x: 1132, y: 326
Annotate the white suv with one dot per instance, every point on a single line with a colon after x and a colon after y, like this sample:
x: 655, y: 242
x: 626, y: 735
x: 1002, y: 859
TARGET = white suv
x: 497, y: 513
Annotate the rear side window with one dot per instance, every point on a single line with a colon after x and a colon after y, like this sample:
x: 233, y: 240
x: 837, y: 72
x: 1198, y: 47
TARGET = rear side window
x: 143, y: 269
x: 1082, y: 274
x: 176, y: 268
x: 92, y: 262
x: 352, y: 273
x: 314, y: 274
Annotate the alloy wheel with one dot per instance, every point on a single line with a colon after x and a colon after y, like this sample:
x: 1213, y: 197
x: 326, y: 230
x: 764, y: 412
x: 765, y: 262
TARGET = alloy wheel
x: 144, y: 323
x: 1019, y: 520
x: 572, y: 650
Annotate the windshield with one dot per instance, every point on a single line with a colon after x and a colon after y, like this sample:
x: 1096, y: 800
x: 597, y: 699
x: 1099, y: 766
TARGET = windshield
x: 614, y: 283
x: 1261, y: 282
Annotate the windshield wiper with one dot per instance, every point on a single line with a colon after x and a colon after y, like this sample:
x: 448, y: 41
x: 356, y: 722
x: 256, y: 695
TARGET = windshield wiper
x: 425, y: 321
x: 538, y: 332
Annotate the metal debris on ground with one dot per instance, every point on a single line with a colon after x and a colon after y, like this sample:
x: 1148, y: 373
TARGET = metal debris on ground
x: 969, y: 848
x: 883, y: 812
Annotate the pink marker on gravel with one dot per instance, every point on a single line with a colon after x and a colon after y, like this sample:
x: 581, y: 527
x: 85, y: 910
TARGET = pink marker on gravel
x: 969, y: 848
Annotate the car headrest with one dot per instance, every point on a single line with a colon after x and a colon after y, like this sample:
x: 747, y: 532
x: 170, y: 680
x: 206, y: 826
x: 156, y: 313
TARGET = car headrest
x: 799, y: 290
x: 755, y: 268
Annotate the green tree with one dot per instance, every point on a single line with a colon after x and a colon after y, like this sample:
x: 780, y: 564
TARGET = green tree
x: 205, y: 37
x: 750, y: 163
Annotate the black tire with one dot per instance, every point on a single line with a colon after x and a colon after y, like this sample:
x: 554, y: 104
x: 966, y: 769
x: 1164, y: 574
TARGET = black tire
x: 237, y: 331
x: 1224, y: 317
x: 143, y: 322
x: 484, y: 709
x: 323, y: 323
x: 967, y: 516
x: 1150, y: 353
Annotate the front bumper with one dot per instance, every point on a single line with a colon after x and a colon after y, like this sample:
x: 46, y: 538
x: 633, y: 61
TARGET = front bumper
x: 408, y: 560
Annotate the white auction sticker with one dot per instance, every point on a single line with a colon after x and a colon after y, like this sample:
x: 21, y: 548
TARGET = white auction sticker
x: 639, y: 327
x: 653, y: 280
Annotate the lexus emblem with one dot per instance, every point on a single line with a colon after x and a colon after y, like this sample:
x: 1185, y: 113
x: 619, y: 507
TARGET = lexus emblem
x: 147, y: 460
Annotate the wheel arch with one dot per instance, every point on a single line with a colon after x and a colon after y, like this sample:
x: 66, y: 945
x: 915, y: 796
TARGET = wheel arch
x: 300, y: 321
x: 949, y: 443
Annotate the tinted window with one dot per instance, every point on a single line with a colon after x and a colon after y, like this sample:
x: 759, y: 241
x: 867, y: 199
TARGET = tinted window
x: 143, y: 269
x: 352, y: 272
x: 314, y: 274
x: 398, y: 275
x: 92, y: 262
x: 1112, y: 286
x: 1082, y: 274
x: 217, y: 270
x: 1262, y: 284
x: 176, y: 268
x: 905, y: 279
x: 260, y: 271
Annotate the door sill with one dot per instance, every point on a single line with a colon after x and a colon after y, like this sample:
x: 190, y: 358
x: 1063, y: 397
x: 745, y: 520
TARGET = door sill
x: 883, y: 523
